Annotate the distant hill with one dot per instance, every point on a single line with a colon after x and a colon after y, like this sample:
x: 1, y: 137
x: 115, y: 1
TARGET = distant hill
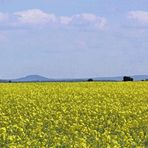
x: 140, y: 77
x: 38, y: 78
x: 31, y: 78
x: 3, y: 80
x: 120, y: 78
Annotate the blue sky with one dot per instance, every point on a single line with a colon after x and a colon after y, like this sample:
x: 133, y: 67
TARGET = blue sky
x: 72, y: 39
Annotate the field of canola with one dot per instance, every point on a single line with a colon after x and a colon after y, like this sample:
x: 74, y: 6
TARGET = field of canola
x: 77, y: 115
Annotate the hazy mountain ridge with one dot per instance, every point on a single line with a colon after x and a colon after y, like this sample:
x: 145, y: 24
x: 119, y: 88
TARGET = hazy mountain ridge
x: 31, y: 78
x: 39, y: 78
x: 120, y: 78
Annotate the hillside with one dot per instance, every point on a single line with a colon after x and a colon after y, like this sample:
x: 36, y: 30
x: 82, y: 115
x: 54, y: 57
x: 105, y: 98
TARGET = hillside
x: 31, y: 78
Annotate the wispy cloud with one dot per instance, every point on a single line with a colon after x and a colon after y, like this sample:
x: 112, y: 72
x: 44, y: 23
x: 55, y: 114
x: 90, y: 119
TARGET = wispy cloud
x: 3, y: 36
x: 139, y: 16
x: 65, y: 20
x: 3, y: 17
x: 38, y: 17
x: 34, y: 16
x: 88, y: 20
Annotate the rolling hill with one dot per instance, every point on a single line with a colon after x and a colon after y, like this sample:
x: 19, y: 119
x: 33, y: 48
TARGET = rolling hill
x: 38, y: 78
x: 120, y: 78
x: 31, y: 78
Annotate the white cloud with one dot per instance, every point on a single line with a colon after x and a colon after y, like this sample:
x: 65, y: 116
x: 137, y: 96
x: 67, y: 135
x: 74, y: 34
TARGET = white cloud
x: 140, y: 16
x: 87, y: 17
x: 90, y: 20
x: 86, y: 20
x: 35, y: 16
x: 65, y: 20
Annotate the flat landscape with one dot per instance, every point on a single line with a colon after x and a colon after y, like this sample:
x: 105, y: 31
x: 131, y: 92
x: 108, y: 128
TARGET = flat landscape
x: 81, y: 114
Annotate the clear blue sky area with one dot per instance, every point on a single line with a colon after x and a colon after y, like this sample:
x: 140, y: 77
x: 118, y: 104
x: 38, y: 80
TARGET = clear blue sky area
x: 73, y: 38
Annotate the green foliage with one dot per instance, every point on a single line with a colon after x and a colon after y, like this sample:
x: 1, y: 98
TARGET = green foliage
x: 104, y: 114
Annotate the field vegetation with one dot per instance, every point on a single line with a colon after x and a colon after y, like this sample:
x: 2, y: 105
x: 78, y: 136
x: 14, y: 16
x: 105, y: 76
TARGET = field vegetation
x: 79, y: 115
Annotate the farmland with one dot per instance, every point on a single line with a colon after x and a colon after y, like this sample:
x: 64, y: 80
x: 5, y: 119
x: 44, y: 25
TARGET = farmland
x: 87, y: 114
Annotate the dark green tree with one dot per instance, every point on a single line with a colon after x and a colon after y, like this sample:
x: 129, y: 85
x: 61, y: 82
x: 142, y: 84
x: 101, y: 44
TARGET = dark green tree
x: 127, y: 78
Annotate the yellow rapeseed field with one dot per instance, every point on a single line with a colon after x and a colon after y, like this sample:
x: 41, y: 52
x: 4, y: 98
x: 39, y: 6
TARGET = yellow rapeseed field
x: 74, y: 115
